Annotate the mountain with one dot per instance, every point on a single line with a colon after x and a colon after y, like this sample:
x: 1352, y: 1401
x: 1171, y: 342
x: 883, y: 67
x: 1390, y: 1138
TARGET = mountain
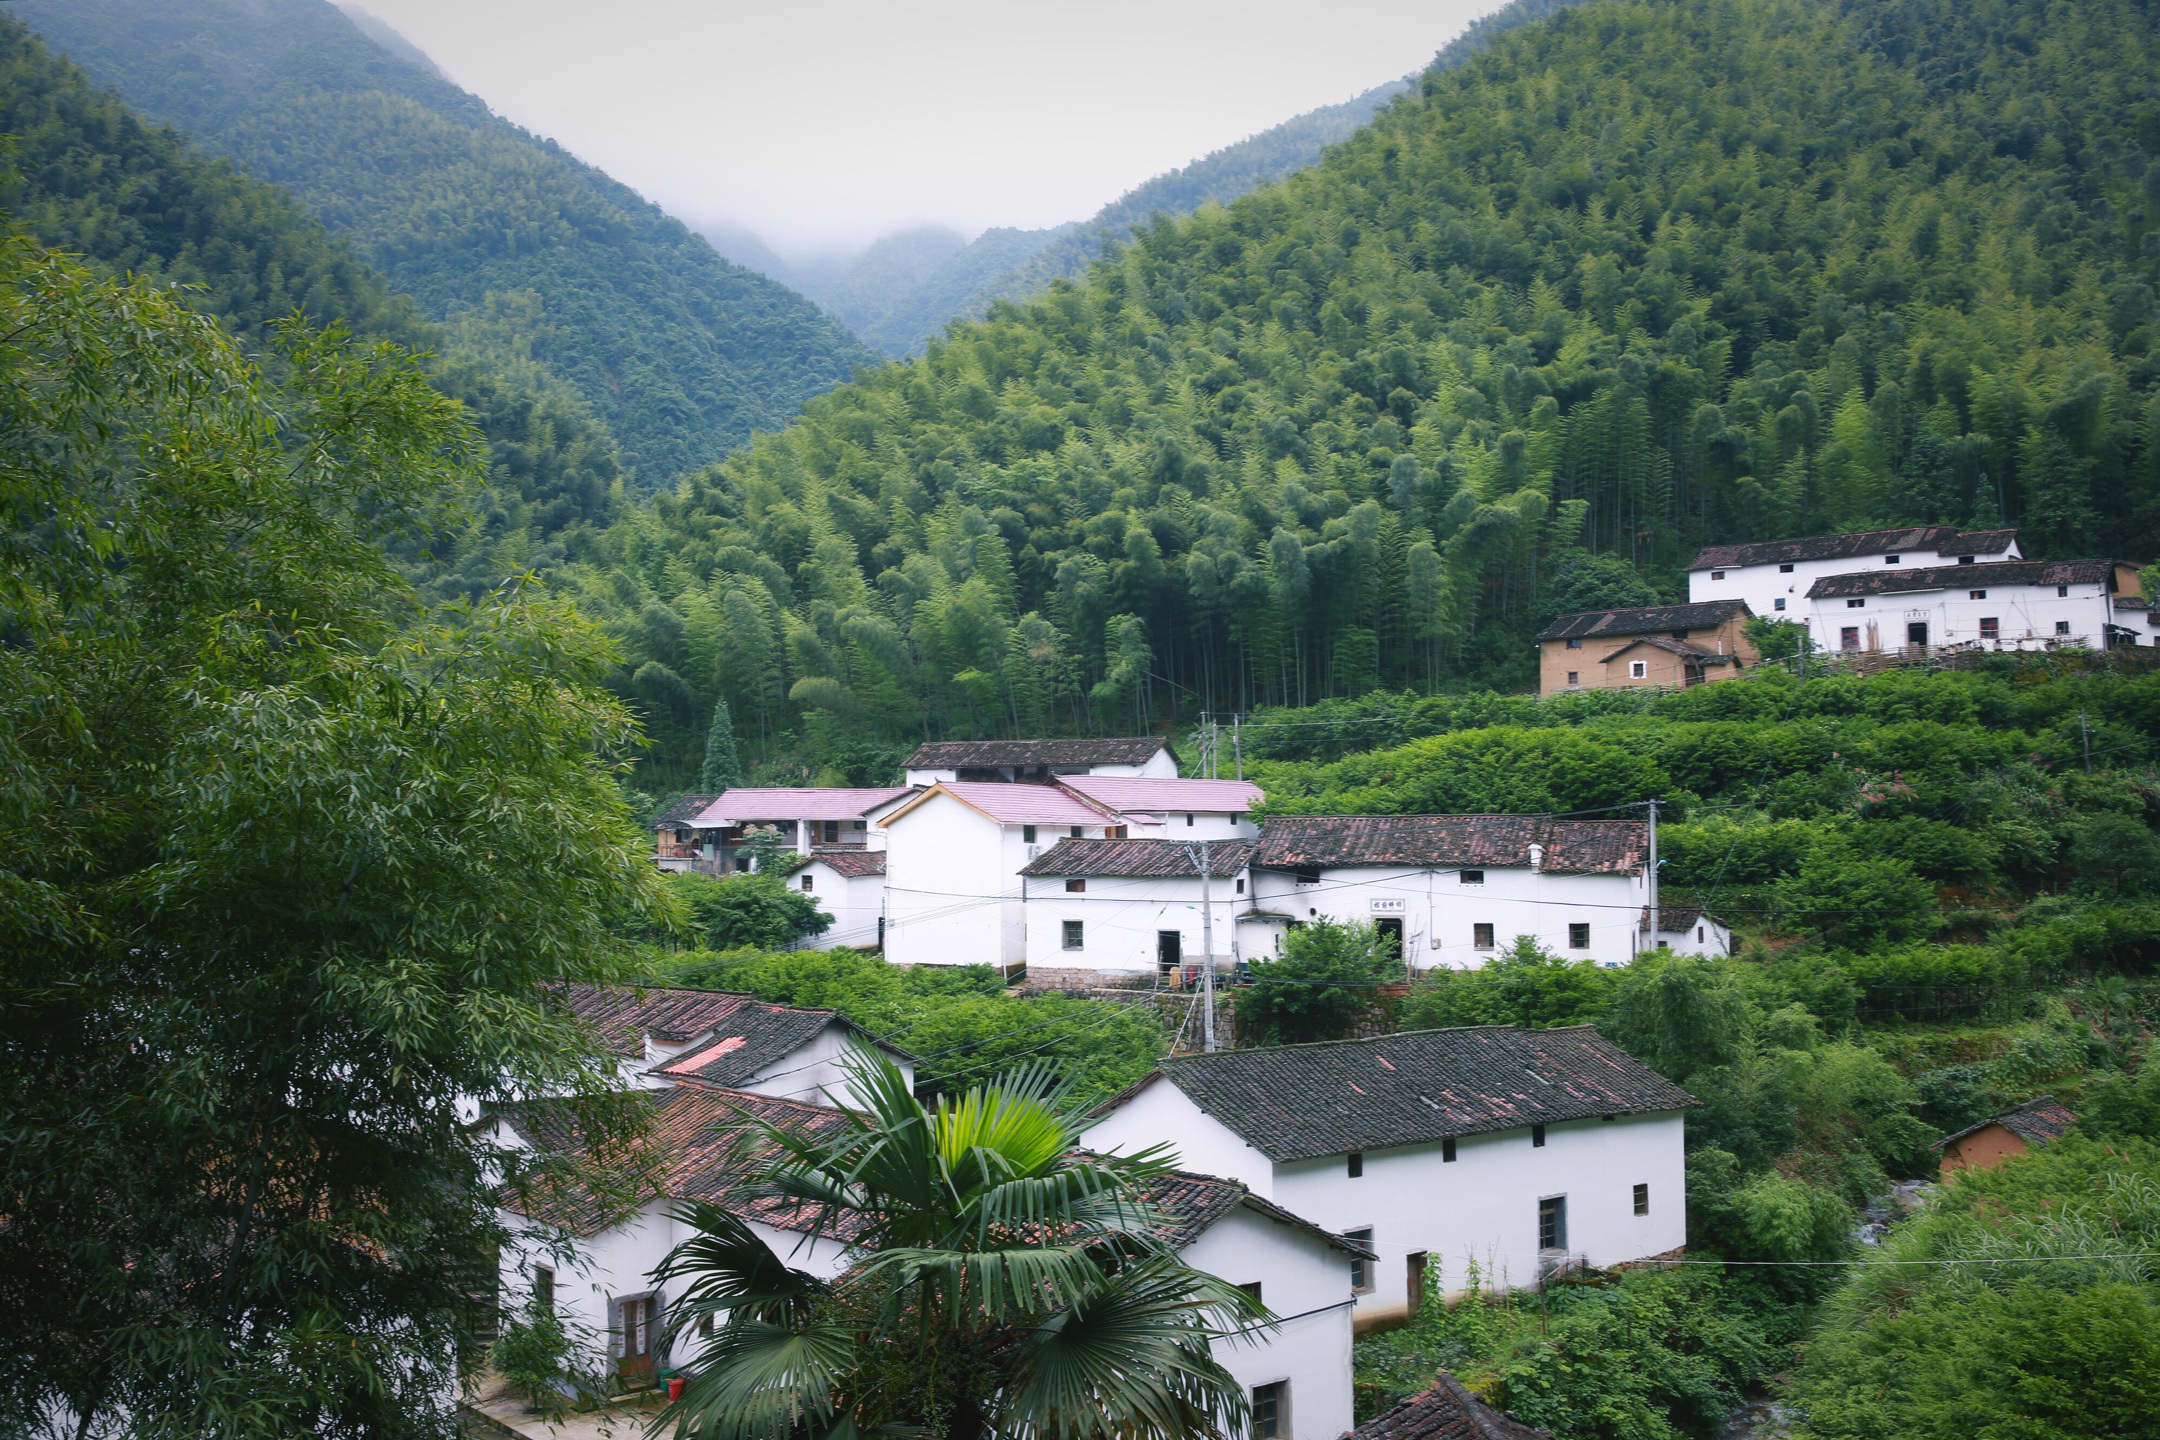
x: 862, y: 295
x: 1632, y: 278
x: 680, y: 353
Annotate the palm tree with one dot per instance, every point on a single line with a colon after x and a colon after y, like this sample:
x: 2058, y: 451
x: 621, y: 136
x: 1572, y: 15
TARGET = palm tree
x: 1006, y: 1284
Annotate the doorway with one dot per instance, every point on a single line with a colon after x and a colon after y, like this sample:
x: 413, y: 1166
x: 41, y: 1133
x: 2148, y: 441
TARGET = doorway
x: 636, y: 1363
x: 1390, y: 928
x: 1169, y: 950
x: 1916, y: 633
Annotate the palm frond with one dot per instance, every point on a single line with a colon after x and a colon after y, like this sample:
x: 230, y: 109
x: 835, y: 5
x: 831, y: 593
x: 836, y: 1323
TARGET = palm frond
x: 731, y: 1269
x: 758, y: 1381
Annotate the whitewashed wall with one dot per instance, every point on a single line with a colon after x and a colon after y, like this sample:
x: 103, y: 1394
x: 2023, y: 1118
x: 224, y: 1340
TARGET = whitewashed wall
x: 1162, y: 1114
x: 1121, y: 919
x: 815, y: 1071
x: 1762, y: 586
x: 853, y: 902
x: 1439, y: 911
x: 945, y: 868
x: 2028, y: 614
x: 1302, y: 1276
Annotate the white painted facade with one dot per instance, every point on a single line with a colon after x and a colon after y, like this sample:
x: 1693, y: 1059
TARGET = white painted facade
x: 952, y: 882
x: 1778, y: 590
x: 1123, y: 921
x: 814, y: 1072
x: 856, y: 903
x: 1975, y: 609
x: 1306, y: 1282
x: 1483, y: 1207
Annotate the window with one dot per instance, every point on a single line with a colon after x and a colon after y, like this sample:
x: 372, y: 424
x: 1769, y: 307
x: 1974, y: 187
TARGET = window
x: 1447, y: 1150
x: 1537, y: 1137
x: 1355, y: 1167
x: 1361, y: 1269
x: 2062, y: 627
x: 858, y: 825
x: 1252, y: 1288
x: 2062, y: 590
x: 543, y: 1288
x: 1574, y: 644
x: 1552, y: 1223
x: 1072, y: 935
x: 1991, y: 627
x: 1027, y: 834
x: 1075, y: 887
x: 1784, y: 569
x: 1415, y: 1263
x: 1642, y: 1199
x: 1578, y: 935
x: 1638, y: 670
x: 1308, y: 876
x: 1574, y: 677
x: 1471, y: 877
x: 1271, y: 1411
x: 832, y: 832
x: 1976, y: 594
x: 1679, y: 634
x: 1889, y: 559
x: 806, y: 884
x: 1849, y: 638
x: 1778, y: 604
x: 1855, y: 604
x: 1113, y: 832
x: 1967, y: 559
x: 1076, y: 832
x: 1717, y: 574
x: 1188, y: 819
x: 1241, y: 885
x: 1481, y: 937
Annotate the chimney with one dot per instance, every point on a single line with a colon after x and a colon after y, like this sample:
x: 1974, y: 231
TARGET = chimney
x: 1537, y: 857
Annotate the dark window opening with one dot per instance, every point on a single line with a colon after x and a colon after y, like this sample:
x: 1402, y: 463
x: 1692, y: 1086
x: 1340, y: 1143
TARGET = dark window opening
x: 543, y: 1288
x: 1361, y: 1269
x: 1447, y: 1150
x: 1481, y: 937
x: 1717, y: 574
x: 1574, y: 644
x: 1889, y: 559
x: 1578, y: 935
x: 1169, y: 950
x: 1855, y: 604
x: 1074, y: 887
x: 1076, y: 832
x: 1642, y: 1199
x: 1784, y: 569
x: 1916, y: 633
x: 1574, y: 677
x: 806, y: 884
x: 1991, y: 627
x: 1537, y: 1134
x: 1391, y: 938
x: 2062, y: 627
x: 1471, y: 877
x: 1188, y: 820
x: 1679, y: 634
x: 1356, y: 1163
x: 1241, y: 885
x: 1252, y: 1288
x: 1271, y: 1411
x: 1072, y: 935
x: 1976, y: 594
x: 832, y: 832
x: 1415, y: 1263
x: 1308, y: 877
x: 1552, y: 1223
x: 1967, y: 559
x: 1027, y: 834
x: 2062, y: 590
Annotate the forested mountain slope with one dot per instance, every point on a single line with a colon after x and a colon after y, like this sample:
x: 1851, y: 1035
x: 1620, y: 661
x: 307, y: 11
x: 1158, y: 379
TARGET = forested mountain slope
x: 681, y: 353
x: 93, y: 178
x: 1636, y: 277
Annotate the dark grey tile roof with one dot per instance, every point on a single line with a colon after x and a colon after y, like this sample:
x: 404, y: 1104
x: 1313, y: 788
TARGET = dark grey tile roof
x: 1964, y: 577
x: 1446, y: 1412
x: 1672, y: 919
x: 1194, y: 1202
x: 2036, y: 1122
x: 855, y: 864
x: 732, y: 1037
x: 1140, y: 858
x: 681, y: 811
x: 990, y: 754
x: 1942, y: 539
x: 1449, y: 842
x: 1686, y: 650
x: 1644, y: 620
x: 1297, y: 1102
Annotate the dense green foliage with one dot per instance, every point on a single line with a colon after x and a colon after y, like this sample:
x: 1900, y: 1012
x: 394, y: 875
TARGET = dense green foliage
x: 1326, y: 978
x: 1634, y: 277
x: 679, y: 353
x: 747, y: 912
x: 284, y: 870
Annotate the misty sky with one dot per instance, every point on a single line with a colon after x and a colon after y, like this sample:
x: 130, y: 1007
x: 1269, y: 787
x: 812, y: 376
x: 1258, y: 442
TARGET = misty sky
x: 825, y: 123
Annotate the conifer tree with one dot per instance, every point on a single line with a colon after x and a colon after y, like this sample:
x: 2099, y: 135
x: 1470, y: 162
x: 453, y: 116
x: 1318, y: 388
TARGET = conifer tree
x: 723, y: 767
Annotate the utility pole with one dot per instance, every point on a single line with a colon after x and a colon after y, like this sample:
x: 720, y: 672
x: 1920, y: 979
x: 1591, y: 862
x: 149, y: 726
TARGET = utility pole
x: 1207, y: 963
x: 1651, y: 806
x: 1237, y: 743
x: 2085, y: 734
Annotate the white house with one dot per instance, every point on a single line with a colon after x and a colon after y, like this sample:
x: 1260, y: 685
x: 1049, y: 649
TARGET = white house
x: 849, y: 886
x: 2006, y: 605
x: 665, y: 1036
x: 1458, y: 889
x: 603, y: 1287
x: 1131, y: 907
x: 1773, y: 576
x: 677, y: 845
x: 1514, y: 1150
x: 1041, y: 760
x: 807, y: 818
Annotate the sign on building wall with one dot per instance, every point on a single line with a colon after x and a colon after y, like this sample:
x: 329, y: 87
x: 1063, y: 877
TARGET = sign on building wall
x: 1388, y: 905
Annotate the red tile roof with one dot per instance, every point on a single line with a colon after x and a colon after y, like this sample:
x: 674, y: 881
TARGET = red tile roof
x: 809, y: 803
x: 2036, y: 1122
x: 764, y: 1032
x: 1572, y: 847
x: 855, y: 864
x: 1446, y: 1412
x: 1144, y: 792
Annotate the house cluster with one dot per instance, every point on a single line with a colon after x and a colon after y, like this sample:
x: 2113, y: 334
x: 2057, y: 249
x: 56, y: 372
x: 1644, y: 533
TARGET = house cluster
x: 1335, y: 1182
x: 1920, y: 588
x: 1091, y: 860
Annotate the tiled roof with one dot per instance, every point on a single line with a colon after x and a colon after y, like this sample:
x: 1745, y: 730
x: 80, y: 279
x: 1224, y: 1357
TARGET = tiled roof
x: 1297, y: 1102
x: 1963, y: 577
x: 1140, y: 859
x: 991, y: 754
x: 1644, y: 620
x: 1942, y: 539
x: 2036, y: 1122
x: 806, y: 803
x: 766, y: 1032
x: 1194, y: 1202
x: 681, y: 812
x: 1696, y: 653
x: 1145, y: 792
x: 1673, y: 919
x: 1446, y: 1412
x: 1010, y: 804
x: 855, y: 864
x: 696, y: 1150
x: 1572, y: 847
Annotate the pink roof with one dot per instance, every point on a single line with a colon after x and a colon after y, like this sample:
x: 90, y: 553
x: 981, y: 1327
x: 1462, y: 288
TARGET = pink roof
x: 1127, y: 793
x: 821, y: 803
x: 1025, y: 804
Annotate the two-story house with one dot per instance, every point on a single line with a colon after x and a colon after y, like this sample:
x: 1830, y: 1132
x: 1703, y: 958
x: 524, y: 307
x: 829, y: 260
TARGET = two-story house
x: 1773, y: 576
x: 1646, y: 646
x: 1517, y: 1151
x: 803, y: 819
x: 1113, y: 909
x: 2003, y: 605
x: 1041, y: 760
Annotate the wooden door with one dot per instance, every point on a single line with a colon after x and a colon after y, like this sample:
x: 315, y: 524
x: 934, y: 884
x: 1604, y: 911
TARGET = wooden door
x: 636, y: 1363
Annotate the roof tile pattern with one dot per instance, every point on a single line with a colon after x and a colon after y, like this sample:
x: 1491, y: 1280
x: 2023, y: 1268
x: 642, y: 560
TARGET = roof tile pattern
x: 1962, y: 577
x: 1299, y: 1102
x: 1644, y: 620
x: 766, y: 1033
x: 1572, y: 847
x: 854, y: 864
x: 1942, y: 539
x: 1692, y: 653
x: 1141, y: 859
x: 1194, y: 1202
x: 1145, y: 792
x: 683, y: 812
x: 2036, y: 1122
x: 815, y: 802
x: 1446, y: 1412
x: 993, y: 754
